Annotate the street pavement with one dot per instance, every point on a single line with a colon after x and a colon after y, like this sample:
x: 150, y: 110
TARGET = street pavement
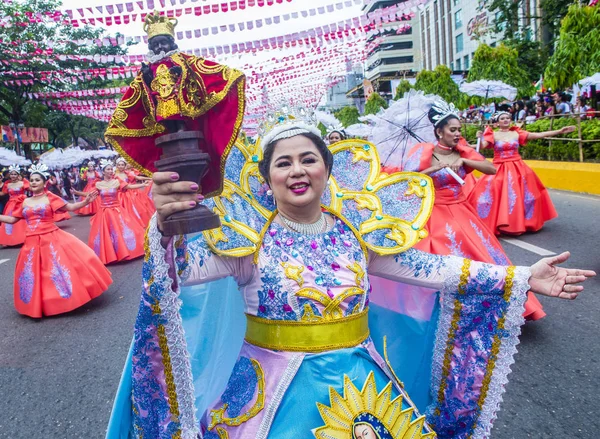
x: 58, y: 375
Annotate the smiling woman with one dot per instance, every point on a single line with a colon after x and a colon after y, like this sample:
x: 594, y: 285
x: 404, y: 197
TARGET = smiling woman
x: 311, y: 360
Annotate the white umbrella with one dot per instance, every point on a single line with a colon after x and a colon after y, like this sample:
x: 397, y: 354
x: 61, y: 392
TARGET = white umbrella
x: 489, y: 89
x: 10, y: 157
x: 590, y: 80
x: 404, y: 124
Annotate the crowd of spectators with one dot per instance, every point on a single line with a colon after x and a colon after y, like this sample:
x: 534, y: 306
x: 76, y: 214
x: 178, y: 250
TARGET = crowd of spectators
x: 541, y: 105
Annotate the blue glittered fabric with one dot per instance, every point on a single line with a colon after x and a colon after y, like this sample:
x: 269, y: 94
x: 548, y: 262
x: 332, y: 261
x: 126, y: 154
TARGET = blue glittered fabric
x: 241, y: 387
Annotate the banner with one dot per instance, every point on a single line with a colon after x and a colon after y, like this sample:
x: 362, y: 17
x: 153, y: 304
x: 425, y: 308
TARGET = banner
x: 25, y: 135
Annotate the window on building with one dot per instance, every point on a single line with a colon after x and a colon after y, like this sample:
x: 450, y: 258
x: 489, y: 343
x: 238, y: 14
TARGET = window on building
x: 467, y: 65
x: 458, y: 64
x: 459, y: 43
x: 456, y: 2
x: 452, y: 66
x: 458, y: 19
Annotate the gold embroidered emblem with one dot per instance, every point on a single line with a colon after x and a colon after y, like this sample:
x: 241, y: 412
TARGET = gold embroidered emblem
x: 293, y: 272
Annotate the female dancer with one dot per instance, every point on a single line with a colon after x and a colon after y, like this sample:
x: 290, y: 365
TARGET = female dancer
x: 12, y: 235
x: 91, y: 176
x: 129, y: 201
x: 307, y: 352
x: 336, y: 136
x: 513, y: 201
x: 55, y: 272
x: 114, y: 234
x: 454, y: 227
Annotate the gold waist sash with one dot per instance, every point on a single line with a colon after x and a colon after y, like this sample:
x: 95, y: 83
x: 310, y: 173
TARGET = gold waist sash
x: 290, y: 335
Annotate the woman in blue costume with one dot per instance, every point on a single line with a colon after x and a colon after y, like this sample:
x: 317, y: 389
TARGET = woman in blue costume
x: 300, y: 254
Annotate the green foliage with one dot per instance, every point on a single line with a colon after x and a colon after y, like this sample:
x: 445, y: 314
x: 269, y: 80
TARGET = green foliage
x: 577, y: 54
x: 553, y: 11
x: 31, y: 36
x: 439, y: 82
x: 506, y: 12
x: 502, y: 64
x: 347, y: 116
x: 403, y: 87
x: 531, y: 57
x: 323, y: 129
x: 375, y: 103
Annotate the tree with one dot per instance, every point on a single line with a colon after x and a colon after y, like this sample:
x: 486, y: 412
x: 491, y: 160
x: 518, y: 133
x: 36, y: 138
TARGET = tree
x: 501, y: 64
x: 35, y: 35
x: 347, y: 116
x: 439, y: 82
x: 375, y: 103
x: 577, y: 54
x: 402, y: 88
x: 553, y: 11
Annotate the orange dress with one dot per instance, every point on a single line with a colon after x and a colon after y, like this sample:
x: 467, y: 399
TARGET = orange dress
x: 13, y: 234
x: 143, y: 201
x: 513, y: 201
x: 114, y: 235
x: 55, y: 271
x: 93, y: 207
x: 130, y: 203
x: 454, y: 227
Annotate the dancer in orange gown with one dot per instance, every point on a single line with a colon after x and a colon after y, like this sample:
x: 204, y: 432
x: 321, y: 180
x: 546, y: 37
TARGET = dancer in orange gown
x: 55, y: 271
x: 513, y: 201
x: 13, y: 234
x: 128, y: 199
x: 91, y: 176
x: 454, y: 227
x: 114, y: 235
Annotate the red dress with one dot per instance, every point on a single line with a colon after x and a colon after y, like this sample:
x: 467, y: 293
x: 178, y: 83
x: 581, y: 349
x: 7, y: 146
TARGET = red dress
x: 93, y: 207
x: 454, y: 227
x: 143, y: 201
x: 513, y: 201
x: 114, y: 235
x: 129, y: 203
x: 55, y: 271
x: 13, y: 234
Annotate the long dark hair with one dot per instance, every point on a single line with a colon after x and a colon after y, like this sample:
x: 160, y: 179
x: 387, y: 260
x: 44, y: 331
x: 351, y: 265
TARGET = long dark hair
x: 264, y: 166
x: 441, y: 124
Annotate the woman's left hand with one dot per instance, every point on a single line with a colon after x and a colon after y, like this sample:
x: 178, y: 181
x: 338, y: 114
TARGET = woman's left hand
x: 549, y: 280
x: 567, y: 130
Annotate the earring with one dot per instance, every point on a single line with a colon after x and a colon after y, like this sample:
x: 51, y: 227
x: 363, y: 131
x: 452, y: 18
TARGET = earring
x: 270, y: 193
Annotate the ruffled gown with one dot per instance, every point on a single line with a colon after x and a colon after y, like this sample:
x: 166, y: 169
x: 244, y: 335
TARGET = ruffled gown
x: 144, y: 196
x: 114, y: 234
x: 129, y: 203
x: 513, y: 201
x: 454, y: 227
x: 13, y: 234
x: 90, y: 186
x: 55, y: 272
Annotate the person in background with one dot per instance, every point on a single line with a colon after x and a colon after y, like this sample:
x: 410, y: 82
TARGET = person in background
x: 336, y: 136
x: 519, y: 113
x: 562, y: 106
x: 15, y: 186
x: 55, y: 272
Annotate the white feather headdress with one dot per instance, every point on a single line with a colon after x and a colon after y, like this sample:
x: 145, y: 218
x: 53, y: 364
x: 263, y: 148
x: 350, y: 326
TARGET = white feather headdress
x: 14, y: 168
x: 40, y: 169
x: 104, y: 163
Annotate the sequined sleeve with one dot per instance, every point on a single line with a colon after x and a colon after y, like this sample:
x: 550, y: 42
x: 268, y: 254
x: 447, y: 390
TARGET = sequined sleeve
x: 481, y: 313
x: 195, y: 263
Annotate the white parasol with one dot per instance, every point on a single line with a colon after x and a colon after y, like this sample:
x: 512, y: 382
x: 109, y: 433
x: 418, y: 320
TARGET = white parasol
x: 10, y: 157
x: 590, y: 80
x: 489, y: 89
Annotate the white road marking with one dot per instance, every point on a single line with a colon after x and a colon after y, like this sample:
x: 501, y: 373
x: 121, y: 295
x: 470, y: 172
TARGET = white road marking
x: 2, y: 261
x: 529, y: 247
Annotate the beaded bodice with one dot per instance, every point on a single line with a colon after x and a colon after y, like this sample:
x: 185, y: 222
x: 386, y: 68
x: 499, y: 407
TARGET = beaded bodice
x: 506, y: 150
x: 39, y: 218
x: 15, y: 191
x: 109, y: 197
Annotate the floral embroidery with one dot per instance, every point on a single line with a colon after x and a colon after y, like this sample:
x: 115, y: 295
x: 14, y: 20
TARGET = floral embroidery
x: 454, y: 247
x: 97, y: 244
x: 60, y: 275
x: 512, y: 194
x: 485, y: 201
x: 528, y: 200
x: 506, y: 150
x: 443, y: 180
x: 27, y: 279
x: 128, y: 236
x: 8, y: 228
x: 33, y: 215
x: 495, y: 252
x: 241, y: 387
x: 420, y: 262
x: 272, y: 300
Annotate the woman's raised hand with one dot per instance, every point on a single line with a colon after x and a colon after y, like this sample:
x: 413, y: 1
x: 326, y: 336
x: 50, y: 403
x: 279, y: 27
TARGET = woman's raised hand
x: 171, y: 195
x: 567, y: 130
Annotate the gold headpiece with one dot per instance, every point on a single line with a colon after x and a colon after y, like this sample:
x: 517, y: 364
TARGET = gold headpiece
x: 156, y: 24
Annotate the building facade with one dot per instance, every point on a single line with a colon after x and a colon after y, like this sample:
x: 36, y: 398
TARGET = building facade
x: 451, y: 30
x: 393, y: 50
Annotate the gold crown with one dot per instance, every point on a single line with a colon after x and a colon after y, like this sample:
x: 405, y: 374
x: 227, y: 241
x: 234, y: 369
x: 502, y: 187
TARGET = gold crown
x: 156, y: 24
